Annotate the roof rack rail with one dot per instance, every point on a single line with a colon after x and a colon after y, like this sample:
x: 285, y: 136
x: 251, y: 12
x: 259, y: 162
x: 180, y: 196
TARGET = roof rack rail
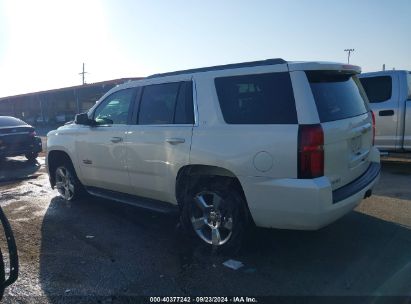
x: 273, y: 61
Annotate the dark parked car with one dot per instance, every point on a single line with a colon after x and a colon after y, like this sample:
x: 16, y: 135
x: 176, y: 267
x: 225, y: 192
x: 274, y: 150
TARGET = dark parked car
x: 18, y: 138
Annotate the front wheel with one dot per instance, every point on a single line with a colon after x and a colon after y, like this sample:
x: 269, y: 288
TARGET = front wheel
x: 67, y: 183
x: 215, y: 214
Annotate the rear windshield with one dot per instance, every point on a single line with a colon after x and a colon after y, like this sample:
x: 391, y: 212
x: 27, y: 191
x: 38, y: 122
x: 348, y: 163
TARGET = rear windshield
x: 7, y: 121
x: 337, y: 96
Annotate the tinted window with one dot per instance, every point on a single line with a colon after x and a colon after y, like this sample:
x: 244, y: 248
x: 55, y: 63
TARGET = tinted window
x: 168, y: 103
x: 337, y: 96
x: 7, y: 121
x: 115, y: 108
x: 184, y: 113
x: 378, y: 89
x: 257, y: 99
x: 409, y: 86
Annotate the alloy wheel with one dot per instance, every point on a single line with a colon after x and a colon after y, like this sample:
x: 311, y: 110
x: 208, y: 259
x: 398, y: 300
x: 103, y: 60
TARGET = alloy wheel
x: 212, y: 221
x: 65, y: 183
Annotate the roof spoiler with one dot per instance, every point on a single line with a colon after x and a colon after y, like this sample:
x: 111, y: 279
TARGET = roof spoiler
x: 273, y: 61
x: 324, y: 66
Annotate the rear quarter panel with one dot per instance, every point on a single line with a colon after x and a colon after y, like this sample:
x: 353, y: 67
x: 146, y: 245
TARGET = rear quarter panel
x: 241, y: 149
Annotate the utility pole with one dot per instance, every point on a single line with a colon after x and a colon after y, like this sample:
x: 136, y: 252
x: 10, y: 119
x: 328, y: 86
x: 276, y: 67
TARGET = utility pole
x: 83, y: 73
x: 349, y: 53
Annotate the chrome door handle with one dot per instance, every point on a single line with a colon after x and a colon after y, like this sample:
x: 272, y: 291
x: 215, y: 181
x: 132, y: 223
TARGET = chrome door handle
x: 175, y: 141
x: 116, y: 139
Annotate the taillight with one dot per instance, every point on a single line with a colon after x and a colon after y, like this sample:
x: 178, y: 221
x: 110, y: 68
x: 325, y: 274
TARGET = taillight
x: 373, y: 127
x: 310, y: 151
x: 32, y: 133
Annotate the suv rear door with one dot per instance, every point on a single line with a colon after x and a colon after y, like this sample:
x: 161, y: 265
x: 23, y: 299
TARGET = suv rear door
x: 159, y: 139
x: 346, y: 123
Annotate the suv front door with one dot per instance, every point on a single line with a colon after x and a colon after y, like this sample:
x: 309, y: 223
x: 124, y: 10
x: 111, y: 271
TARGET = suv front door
x: 100, y: 148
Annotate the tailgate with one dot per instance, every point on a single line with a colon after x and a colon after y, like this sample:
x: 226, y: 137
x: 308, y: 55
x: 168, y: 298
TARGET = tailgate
x: 346, y: 122
x: 347, y: 144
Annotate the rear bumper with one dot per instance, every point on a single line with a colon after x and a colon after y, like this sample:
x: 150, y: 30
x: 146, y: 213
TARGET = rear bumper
x: 304, y: 204
x: 34, y: 146
x: 360, y: 183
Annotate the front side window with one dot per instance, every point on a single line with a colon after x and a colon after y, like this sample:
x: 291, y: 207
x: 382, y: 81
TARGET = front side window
x: 257, y: 99
x: 115, y: 108
x: 167, y: 103
x: 378, y: 89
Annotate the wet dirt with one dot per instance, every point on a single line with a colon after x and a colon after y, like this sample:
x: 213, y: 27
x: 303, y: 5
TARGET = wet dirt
x: 99, y: 248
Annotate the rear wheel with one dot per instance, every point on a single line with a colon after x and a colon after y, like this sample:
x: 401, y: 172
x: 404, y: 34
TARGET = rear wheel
x: 67, y: 183
x: 32, y: 156
x: 215, y: 214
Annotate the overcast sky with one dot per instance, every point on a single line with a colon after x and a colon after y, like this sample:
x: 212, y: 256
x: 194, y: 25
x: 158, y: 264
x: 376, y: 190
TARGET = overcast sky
x: 43, y: 43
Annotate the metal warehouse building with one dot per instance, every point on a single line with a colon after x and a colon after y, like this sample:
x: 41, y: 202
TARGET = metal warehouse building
x: 55, y: 107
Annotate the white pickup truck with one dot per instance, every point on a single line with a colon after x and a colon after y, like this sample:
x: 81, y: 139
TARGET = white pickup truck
x: 389, y: 93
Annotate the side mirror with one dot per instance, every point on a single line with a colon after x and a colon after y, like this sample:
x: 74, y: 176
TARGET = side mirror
x: 82, y: 119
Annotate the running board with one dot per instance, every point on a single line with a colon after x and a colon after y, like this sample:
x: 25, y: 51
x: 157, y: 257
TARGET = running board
x: 141, y: 202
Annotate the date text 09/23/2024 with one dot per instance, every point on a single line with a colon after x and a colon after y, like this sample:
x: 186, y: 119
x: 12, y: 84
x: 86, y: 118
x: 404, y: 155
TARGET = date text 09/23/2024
x: 203, y: 300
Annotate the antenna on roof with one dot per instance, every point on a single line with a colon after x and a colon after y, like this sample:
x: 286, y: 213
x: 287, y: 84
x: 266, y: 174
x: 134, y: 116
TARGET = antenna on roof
x: 83, y: 73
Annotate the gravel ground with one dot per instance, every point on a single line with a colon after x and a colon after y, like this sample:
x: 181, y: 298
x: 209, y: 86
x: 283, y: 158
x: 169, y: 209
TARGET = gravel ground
x: 98, y: 251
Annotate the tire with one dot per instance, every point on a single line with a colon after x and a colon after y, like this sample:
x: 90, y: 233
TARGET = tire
x: 214, y: 214
x: 2, y: 275
x: 67, y: 183
x: 32, y: 156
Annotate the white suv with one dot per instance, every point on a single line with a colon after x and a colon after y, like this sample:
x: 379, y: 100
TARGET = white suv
x: 281, y: 144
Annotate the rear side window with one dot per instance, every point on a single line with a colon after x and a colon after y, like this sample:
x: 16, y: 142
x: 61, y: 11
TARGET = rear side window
x: 184, y: 113
x: 257, y: 99
x: 409, y: 86
x: 337, y: 96
x: 378, y: 88
x: 167, y: 103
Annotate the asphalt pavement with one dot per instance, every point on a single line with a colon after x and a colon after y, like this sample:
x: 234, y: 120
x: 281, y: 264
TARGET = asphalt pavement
x: 100, y: 251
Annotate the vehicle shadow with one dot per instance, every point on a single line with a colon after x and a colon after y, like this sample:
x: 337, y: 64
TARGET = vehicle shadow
x: 98, y: 248
x: 17, y: 168
x: 395, y: 180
